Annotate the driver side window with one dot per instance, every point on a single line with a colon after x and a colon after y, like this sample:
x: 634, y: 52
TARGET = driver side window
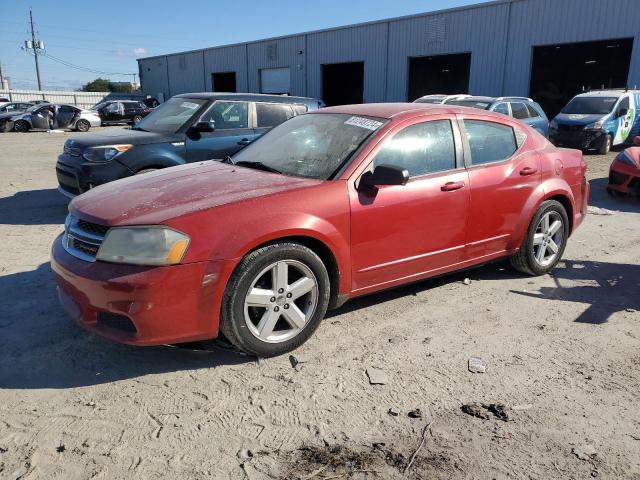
x: 421, y: 149
x: 228, y: 115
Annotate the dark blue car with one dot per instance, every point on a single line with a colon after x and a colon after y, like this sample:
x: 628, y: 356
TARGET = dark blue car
x: 187, y: 128
x: 521, y: 108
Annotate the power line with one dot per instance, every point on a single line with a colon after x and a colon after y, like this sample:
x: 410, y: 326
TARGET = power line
x: 84, y: 69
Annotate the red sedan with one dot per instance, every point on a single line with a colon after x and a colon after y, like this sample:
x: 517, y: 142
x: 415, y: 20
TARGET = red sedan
x: 328, y: 206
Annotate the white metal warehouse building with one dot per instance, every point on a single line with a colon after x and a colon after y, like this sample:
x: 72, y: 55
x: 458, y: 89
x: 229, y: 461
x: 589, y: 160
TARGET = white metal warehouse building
x: 547, y: 49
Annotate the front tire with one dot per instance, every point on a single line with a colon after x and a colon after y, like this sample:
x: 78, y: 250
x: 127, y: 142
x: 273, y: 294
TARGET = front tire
x: 83, y: 126
x: 545, y: 242
x: 21, y: 126
x: 275, y: 299
x: 606, y: 146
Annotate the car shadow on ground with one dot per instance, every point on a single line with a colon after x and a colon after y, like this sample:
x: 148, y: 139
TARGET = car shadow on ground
x: 34, y: 207
x: 607, y: 288
x: 600, y: 198
x: 40, y: 347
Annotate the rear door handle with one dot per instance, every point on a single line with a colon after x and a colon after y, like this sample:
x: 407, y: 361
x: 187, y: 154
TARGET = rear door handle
x: 528, y: 171
x: 244, y: 141
x: 451, y: 186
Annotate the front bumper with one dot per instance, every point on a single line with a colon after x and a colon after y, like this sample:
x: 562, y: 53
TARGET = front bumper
x: 76, y: 176
x: 623, y: 178
x: 578, y: 138
x: 140, y: 305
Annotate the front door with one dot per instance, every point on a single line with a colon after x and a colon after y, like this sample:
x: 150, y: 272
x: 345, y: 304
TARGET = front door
x: 400, y: 233
x: 40, y: 118
x: 502, y: 179
x: 230, y: 120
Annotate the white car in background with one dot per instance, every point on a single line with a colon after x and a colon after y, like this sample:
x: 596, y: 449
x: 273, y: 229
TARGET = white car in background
x: 439, y: 98
x: 49, y: 116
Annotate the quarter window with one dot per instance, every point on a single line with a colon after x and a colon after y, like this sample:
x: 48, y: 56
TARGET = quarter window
x: 421, y: 149
x: 502, y: 108
x: 489, y: 141
x: 272, y: 114
x: 533, y: 113
x: 228, y: 115
x: 519, y: 111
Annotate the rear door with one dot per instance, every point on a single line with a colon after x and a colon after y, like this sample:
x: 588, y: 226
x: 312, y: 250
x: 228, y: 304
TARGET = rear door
x: 66, y: 116
x: 232, y: 132
x: 269, y: 115
x: 130, y: 110
x: 502, y: 177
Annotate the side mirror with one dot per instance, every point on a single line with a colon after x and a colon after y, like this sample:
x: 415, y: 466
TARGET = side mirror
x: 204, y: 127
x: 637, y: 140
x: 385, y: 175
x: 622, y: 112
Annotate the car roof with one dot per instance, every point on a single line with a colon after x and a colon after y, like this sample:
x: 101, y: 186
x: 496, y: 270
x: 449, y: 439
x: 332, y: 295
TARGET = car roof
x: 249, y: 97
x: 394, y: 110
x: 606, y: 93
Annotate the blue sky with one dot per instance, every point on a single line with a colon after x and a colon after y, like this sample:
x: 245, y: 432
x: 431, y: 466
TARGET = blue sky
x: 107, y: 36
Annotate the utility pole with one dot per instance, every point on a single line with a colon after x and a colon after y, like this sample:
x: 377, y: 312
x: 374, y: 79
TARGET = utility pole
x: 36, y: 47
x: 1, y: 78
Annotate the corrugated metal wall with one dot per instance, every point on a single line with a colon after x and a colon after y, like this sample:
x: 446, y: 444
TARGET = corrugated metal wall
x: 499, y: 35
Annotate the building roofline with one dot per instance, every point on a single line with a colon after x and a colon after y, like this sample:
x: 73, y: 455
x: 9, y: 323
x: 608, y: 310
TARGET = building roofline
x: 474, y: 6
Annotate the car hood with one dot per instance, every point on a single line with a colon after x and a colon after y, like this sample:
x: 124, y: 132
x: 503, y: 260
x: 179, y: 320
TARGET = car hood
x: 577, y: 119
x: 125, y: 135
x: 155, y: 198
x: 4, y: 116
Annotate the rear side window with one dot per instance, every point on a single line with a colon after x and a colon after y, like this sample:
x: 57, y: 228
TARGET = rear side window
x: 421, y: 149
x: 489, y: 141
x: 299, y: 109
x: 228, y: 115
x: 519, y: 111
x: 533, y: 113
x: 272, y: 114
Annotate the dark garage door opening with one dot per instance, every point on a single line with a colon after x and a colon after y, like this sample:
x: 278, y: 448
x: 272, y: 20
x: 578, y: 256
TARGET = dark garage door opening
x: 224, y: 82
x: 343, y: 83
x: 559, y: 72
x: 447, y: 74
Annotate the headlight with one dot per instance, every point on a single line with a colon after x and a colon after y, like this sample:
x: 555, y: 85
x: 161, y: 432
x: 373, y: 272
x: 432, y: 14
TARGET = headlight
x: 143, y: 246
x: 104, y: 153
x: 595, y: 125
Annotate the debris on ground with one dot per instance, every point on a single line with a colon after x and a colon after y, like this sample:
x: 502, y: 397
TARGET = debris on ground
x: 296, y: 361
x: 584, y: 452
x: 60, y: 448
x: 480, y: 410
x: 393, y: 412
x: 467, y: 281
x: 90, y: 403
x: 599, y: 211
x: 415, y: 413
x: 475, y: 410
x: 245, y: 454
x: 477, y: 365
x: 397, y: 339
x: 377, y: 376
x: 427, y: 340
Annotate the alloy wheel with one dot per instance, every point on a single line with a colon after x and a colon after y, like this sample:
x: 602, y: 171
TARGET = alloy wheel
x: 281, y: 300
x: 548, y: 238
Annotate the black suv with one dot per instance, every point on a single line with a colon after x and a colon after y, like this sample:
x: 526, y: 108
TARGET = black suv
x: 186, y: 128
x: 121, y: 111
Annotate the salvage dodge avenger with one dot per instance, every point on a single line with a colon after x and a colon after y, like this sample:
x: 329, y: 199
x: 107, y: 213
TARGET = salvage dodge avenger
x: 327, y: 206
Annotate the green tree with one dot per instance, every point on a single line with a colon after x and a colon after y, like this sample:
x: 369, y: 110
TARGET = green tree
x: 97, y: 85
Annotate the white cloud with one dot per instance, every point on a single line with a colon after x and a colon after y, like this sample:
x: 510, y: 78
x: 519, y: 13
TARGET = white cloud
x: 134, y: 52
x: 139, y: 51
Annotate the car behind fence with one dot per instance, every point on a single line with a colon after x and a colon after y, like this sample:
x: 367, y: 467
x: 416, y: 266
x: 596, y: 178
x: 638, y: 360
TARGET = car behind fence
x: 79, y: 99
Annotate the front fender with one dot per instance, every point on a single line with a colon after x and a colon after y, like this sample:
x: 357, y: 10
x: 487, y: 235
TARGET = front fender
x: 158, y: 155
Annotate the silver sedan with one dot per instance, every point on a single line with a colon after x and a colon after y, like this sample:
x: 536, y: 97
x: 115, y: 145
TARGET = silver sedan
x: 52, y: 116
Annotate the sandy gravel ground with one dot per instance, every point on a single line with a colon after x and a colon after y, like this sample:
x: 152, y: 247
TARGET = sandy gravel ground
x: 563, y: 349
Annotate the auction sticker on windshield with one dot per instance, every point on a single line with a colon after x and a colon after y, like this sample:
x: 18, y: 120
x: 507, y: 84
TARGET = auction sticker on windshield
x: 363, y: 123
x: 189, y: 105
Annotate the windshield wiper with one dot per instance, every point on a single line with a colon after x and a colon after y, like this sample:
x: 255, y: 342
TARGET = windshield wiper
x: 256, y: 165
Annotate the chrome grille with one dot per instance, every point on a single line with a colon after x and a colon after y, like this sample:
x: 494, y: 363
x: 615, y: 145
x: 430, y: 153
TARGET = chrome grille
x: 82, y: 239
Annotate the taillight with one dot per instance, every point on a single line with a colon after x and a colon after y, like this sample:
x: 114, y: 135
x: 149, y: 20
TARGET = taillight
x: 146, y: 110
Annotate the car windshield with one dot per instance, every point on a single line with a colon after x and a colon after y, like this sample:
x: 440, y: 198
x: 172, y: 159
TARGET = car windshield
x: 470, y: 103
x: 32, y: 108
x: 171, y: 115
x: 98, y: 106
x: 312, y: 146
x: 590, y: 105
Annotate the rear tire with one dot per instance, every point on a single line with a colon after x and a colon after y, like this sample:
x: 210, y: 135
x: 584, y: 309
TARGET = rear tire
x: 606, y: 146
x: 536, y: 255
x: 83, y: 126
x: 283, y: 310
x: 136, y: 119
x: 21, y: 126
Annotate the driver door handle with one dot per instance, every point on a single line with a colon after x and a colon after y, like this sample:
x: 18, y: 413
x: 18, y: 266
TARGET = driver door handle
x: 244, y: 141
x: 528, y: 171
x: 451, y: 186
